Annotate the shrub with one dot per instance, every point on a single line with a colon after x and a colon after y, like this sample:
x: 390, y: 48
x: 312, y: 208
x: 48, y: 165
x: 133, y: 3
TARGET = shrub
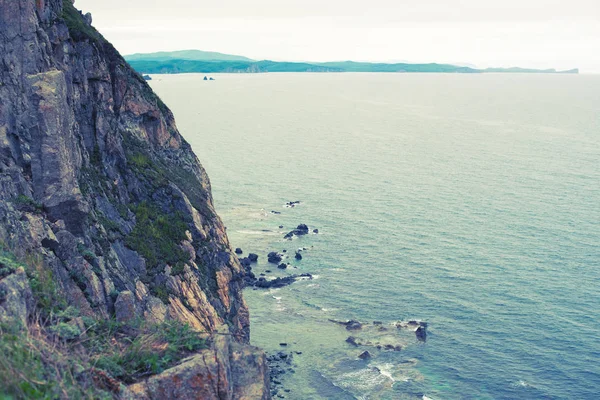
x: 156, y: 237
x: 25, y: 203
x: 148, y: 350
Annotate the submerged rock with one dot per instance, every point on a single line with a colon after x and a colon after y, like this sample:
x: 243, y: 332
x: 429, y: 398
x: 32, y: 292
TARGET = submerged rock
x: 350, y: 325
x: 352, y: 341
x: 280, y: 282
x: 365, y: 355
x: 421, y: 333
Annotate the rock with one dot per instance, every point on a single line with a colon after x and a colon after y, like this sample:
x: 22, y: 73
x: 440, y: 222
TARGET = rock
x: 205, y: 78
x: 315, y: 231
x: 275, y: 212
x: 283, y: 345
x: 364, y: 355
x: 16, y: 299
x: 125, y: 309
x: 280, y: 226
x: 392, y: 347
x: 274, y: 258
x: 352, y: 341
x: 421, y: 333
x: 147, y: 77
x: 238, y: 251
x: 300, y: 230
x: 282, y: 266
x: 245, y: 262
x: 280, y: 282
x: 253, y: 257
x: 211, y: 79
x: 268, y: 271
x: 211, y: 375
x: 353, y: 325
x: 298, y: 256
x: 350, y: 325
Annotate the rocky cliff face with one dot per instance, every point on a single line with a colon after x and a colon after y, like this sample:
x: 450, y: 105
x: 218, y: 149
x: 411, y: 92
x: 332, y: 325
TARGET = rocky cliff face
x: 101, y: 193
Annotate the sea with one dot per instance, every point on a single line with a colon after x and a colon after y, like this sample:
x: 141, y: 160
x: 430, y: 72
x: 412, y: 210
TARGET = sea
x: 470, y: 202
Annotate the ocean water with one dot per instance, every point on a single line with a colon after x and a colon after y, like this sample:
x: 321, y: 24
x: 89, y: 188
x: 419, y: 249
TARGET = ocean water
x: 471, y: 202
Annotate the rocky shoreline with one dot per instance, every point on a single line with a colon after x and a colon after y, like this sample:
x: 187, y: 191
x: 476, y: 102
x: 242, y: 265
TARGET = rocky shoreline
x: 370, y: 339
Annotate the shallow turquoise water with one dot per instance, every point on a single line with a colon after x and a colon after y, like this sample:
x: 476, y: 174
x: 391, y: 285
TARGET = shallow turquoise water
x: 468, y: 201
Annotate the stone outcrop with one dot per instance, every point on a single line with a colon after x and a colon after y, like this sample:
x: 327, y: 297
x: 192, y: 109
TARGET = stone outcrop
x: 16, y: 299
x: 227, y: 371
x: 97, y: 185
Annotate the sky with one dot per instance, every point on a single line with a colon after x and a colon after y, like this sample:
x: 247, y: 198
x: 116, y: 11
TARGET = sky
x: 560, y: 34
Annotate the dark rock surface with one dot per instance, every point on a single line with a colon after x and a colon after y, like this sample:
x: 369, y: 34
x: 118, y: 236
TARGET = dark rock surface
x: 253, y: 257
x: 351, y: 325
x: 300, y: 230
x: 274, y: 257
x: 280, y: 364
x: 238, y: 251
x: 280, y: 282
x: 421, y: 333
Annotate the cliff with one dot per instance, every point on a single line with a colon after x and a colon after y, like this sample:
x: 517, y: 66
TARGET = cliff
x: 116, y: 274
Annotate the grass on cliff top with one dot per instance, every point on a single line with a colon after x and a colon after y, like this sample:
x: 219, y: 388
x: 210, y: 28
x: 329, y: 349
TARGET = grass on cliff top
x: 134, y: 353
x: 39, y: 364
x: 60, y: 355
x: 78, y: 28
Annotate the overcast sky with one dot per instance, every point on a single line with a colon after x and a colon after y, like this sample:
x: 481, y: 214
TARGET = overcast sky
x: 528, y: 33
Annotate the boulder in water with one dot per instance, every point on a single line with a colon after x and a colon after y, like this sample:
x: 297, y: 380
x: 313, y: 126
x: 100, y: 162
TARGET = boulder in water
x: 421, y: 333
x: 274, y: 257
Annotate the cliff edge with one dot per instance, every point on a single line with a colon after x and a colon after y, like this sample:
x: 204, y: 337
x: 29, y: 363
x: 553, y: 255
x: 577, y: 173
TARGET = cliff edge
x: 116, y: 274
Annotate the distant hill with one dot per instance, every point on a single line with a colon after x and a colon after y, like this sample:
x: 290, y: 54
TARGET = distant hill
x: 188, y: 61
x: 531, y: 71
x: 196, y: 55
